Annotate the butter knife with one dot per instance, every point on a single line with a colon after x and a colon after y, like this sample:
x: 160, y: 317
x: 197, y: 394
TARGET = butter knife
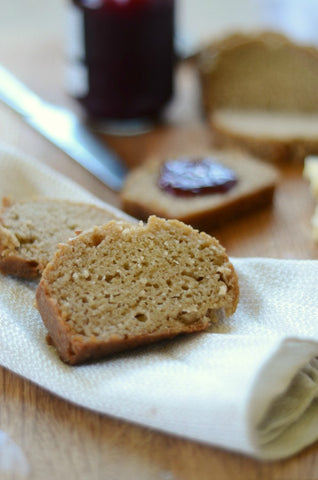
x: 63, y: 129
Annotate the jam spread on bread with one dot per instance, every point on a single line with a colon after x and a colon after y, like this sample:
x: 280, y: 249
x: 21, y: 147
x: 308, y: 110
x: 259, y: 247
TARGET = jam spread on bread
x: 186, y: 177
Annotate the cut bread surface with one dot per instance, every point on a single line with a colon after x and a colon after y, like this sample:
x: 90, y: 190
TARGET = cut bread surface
x: 267, y: 125
x: 119, y: 285
x: 31, y: 230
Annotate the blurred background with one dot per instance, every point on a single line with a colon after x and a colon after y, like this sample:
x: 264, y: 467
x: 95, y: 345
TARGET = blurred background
x: 36, y: 29
x: 199, y: 21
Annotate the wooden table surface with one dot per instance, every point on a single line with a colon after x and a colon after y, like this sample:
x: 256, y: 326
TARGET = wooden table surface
x: 64, y: 441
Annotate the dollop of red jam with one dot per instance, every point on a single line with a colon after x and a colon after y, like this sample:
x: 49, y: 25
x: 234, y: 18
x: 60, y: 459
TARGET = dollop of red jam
x: 186, y: 177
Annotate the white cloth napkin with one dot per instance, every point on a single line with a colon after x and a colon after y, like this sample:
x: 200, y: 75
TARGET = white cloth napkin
x: 249, y: 384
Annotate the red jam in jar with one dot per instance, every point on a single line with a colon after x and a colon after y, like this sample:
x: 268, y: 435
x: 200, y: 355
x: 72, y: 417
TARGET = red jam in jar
x: 120, y: 56
x: 200, y: 176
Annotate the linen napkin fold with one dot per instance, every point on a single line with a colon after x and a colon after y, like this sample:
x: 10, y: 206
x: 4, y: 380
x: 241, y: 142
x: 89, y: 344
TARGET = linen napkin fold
x: 249, y: 384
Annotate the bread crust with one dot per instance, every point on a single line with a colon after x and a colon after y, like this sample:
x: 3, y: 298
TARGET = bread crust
x: 76, y: 349
x: 20, y: 267
x: 208, y: 218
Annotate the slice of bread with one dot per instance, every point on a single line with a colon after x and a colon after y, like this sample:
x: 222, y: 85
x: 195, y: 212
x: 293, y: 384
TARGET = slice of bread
x: 120, y: 285
x: 273, y: 136
x: 260, y: 93
x: 31, y: 230
x: 141, y: 196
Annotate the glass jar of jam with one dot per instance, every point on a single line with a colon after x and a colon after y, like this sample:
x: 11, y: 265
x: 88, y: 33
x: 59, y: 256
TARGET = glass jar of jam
x: 120, y: 57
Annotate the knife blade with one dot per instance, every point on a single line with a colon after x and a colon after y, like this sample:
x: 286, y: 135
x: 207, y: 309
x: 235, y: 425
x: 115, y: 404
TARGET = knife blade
x: 63, y: 129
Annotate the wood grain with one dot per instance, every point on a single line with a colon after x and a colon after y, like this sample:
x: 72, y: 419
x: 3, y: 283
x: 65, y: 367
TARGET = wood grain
x: 61, y: 440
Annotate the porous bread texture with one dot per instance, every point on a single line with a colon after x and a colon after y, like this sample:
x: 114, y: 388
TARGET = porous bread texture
x: 31, y: 230
x: 141, y: 196
x: 259, y: 92
x: 119, y: 286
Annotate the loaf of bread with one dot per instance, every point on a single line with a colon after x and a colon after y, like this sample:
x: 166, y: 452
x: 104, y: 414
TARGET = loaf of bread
x: 256, y: 180
x: 121, y: 285
x: 260, y: 93
x: 31, y: 230
x: 311, y: 174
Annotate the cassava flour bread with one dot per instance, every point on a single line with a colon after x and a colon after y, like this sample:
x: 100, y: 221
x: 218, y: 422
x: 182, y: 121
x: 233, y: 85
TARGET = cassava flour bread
x: 260, y: 93
x: 311, y: 174
x: 31, y: 230
x: 142, y: 194
x: 121, y: 285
